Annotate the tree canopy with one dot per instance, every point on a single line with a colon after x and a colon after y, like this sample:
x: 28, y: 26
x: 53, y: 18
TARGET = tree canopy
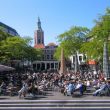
x: 17, y: 48
x: 71, y: 40
x: 98, y: 34
x: 87, y: 41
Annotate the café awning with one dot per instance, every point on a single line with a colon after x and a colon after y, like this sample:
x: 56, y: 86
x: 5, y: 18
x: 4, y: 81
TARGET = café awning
x: 6, y: 68
x: 92, y: 62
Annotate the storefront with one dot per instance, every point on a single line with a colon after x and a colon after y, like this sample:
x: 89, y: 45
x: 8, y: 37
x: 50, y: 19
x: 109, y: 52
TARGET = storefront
x: 45, y: 65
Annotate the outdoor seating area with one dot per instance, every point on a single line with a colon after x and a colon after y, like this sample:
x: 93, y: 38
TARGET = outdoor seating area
x: 55, y: 55
x: 29, y: 85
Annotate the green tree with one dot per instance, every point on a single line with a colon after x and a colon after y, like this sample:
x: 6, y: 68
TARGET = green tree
x: 17, y: 48
x: 99, y: 33
x: 3, y: 34
x: 71, y: 40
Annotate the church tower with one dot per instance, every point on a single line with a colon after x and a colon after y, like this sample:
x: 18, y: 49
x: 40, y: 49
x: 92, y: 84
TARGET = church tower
x: 39, y: 36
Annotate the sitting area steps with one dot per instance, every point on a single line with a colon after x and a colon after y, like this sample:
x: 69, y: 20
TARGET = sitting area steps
x: 88, y: 91
x: 54, y: 104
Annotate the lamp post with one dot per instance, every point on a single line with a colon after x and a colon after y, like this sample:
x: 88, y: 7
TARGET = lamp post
x: 76, y: 69
x: 106, y: 68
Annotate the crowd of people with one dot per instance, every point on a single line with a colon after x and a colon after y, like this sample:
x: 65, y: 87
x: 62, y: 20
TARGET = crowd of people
x: 37, y: 83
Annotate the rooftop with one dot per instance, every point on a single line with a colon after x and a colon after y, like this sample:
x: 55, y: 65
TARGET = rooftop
x: 51, y: 44
x: 39, y: 46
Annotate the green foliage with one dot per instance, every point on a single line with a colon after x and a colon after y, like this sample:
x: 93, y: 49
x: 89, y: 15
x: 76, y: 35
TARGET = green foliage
x: 99, y: 33
x: 17, y: 48
x: 3, y: 34
x: 102, y: 28
x: 71, y: 40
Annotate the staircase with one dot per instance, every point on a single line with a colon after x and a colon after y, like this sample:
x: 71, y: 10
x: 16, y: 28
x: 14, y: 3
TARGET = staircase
x: 54, y: 104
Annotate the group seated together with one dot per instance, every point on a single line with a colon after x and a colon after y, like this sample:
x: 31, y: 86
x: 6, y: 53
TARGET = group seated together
x: 72, y: 86
x: 68, y: 84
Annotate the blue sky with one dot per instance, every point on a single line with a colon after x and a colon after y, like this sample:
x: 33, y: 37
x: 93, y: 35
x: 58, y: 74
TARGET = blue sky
x: 56, y: 16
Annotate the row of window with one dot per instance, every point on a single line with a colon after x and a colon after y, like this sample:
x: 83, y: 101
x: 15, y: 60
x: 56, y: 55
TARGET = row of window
x: 49, y: 51
x: 80, y: 58
x: 48, y: 57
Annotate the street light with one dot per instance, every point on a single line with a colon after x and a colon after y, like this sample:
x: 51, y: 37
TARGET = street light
x: 76, y: 69
x: 106, y: 68
x: 105, y: 61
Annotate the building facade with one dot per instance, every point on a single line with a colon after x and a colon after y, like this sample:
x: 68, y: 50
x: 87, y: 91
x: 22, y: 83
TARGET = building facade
x: 81, y: 60
x: 8, y: 29
x: 48, y: 62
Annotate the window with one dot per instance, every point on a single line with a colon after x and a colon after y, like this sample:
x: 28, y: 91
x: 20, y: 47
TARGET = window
x: 39, y: 41
x: 51, y: 56
x: 80, y: 58
x: 48, y: 57
x: 73, y: 58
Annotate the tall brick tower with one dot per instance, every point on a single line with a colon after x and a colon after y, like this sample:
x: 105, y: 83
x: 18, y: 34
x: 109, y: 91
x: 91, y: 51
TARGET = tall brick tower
x: 39, y: 36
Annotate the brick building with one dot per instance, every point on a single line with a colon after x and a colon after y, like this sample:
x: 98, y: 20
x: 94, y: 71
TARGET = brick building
x: 48, y: 62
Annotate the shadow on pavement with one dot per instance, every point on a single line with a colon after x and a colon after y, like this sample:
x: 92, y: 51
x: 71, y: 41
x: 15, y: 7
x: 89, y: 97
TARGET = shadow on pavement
x: 4, y: 98
x: 34, y: 97
x: 78, y: 96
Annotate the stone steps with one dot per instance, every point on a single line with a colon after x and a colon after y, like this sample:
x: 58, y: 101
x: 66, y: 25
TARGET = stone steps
x: 54, y: 108
x: 54, y: 104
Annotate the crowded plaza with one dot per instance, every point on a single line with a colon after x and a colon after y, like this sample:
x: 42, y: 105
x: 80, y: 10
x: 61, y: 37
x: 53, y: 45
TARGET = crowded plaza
x: 38, y: 83
x: 65, y: 64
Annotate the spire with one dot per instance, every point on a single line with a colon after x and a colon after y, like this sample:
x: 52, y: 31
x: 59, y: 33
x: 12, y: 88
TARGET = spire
x: 39, y: 24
